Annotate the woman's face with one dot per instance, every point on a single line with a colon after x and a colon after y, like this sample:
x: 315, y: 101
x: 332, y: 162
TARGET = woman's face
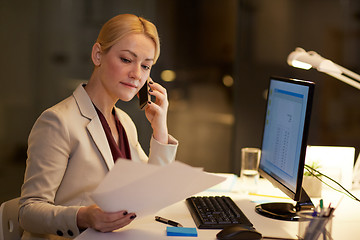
x: 125, y: 68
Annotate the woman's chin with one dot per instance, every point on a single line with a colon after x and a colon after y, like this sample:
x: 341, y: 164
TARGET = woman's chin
x: 127, y: 98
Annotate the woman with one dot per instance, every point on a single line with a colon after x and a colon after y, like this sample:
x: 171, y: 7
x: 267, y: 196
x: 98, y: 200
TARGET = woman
x: 75, y: 143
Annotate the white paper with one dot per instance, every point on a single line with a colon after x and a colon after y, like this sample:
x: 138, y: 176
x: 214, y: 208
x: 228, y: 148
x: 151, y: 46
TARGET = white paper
x: 145, y: 189
x: 227, y: 185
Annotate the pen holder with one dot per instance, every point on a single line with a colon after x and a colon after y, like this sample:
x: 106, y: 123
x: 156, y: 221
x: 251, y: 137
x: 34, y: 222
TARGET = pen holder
x: 314, y: 227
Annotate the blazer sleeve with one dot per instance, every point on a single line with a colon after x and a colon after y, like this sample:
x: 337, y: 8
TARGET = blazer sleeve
x: 48, y: 154
x: 162, y: 153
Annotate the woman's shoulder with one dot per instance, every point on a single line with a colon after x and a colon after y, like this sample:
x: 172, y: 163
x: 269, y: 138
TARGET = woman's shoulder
x: 57, y: 116
x: 72, y: 104
x: 64, y: 107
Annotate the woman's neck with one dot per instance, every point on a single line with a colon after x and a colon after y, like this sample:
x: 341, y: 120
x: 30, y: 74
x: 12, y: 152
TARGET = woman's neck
x: 100, y: 98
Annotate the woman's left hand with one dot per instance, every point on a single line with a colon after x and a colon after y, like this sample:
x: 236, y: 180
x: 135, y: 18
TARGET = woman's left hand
x: 156, y: 112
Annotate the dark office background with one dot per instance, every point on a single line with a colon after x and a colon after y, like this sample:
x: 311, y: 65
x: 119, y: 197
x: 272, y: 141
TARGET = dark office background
x: 45, y: 54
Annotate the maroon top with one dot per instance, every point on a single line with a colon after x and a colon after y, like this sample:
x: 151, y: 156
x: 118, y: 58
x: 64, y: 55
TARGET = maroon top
x: 118, y: 151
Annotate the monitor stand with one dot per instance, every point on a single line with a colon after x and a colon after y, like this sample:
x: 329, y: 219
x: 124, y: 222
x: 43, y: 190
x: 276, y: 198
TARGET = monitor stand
x: 285, y: 211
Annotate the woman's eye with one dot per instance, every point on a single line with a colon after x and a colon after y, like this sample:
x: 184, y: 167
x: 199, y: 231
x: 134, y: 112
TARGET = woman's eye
x: 125, y: 60
x: 146, y: 67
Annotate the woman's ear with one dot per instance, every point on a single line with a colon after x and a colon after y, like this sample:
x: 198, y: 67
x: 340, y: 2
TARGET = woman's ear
x: 96, y: 54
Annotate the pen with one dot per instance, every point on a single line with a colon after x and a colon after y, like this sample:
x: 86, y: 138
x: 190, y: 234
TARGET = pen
x: 321, y: 203
x: 275, y: 238
x: 167, y: 221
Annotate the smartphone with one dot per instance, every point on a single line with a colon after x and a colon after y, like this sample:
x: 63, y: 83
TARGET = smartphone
x: 144, y: 96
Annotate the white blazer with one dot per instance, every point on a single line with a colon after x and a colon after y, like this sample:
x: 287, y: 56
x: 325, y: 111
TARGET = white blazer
x: 68, y: 156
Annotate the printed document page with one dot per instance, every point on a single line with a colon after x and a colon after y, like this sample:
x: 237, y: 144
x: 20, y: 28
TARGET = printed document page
x: 145, y: 188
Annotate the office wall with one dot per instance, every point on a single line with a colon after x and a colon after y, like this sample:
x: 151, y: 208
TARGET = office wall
x: 200, y: 113
x: 17, y: 71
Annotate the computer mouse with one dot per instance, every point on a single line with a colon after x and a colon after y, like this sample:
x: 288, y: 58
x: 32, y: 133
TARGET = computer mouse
x: 238, y: 232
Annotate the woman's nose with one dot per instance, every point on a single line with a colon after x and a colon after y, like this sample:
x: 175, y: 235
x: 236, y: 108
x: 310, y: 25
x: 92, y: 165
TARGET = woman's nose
x: 135, y: 72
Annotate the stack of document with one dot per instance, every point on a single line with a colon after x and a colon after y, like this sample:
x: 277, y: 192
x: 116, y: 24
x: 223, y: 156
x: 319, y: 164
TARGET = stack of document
x: 145, y: 188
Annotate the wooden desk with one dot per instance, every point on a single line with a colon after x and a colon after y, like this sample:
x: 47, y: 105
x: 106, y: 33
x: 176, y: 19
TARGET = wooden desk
x: 346, y: 224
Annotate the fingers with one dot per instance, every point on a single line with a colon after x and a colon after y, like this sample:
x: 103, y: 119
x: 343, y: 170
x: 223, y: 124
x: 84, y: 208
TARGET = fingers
x: 107, y: 222
x: 158, y: 87
x: 156, y: 112
x: 160, y: 93
x: 114, y: 222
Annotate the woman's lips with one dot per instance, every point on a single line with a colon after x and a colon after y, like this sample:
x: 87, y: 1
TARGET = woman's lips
x: 129, y: 84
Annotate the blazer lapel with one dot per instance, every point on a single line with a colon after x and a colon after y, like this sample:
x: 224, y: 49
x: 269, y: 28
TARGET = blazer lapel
x: 94, y: 127
x: 98, y: 135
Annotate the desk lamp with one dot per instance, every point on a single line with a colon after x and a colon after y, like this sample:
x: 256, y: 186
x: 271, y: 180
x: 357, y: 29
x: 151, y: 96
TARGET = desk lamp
x: 306, y: 60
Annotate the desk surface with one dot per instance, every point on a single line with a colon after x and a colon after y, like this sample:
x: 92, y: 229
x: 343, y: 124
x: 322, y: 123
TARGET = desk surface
x: 345, y: 225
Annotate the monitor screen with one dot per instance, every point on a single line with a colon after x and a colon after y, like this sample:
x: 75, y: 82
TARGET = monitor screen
x: 286, y: 126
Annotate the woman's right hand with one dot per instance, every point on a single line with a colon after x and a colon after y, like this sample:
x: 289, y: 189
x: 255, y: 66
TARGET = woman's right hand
x: 95, y: 218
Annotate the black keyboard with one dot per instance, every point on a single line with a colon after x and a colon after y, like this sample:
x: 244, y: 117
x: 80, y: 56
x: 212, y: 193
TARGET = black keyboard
x: 216, y: 212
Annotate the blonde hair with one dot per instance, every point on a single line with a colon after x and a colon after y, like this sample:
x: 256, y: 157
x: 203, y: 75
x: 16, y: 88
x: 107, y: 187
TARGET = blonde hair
x: 121, y: 25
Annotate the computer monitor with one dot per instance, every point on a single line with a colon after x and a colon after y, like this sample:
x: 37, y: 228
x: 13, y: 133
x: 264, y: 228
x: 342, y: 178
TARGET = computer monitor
x: 284, y: 144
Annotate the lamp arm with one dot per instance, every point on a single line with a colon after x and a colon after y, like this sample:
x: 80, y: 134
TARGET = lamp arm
x: 349, y: 73
x: 346, y: 79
